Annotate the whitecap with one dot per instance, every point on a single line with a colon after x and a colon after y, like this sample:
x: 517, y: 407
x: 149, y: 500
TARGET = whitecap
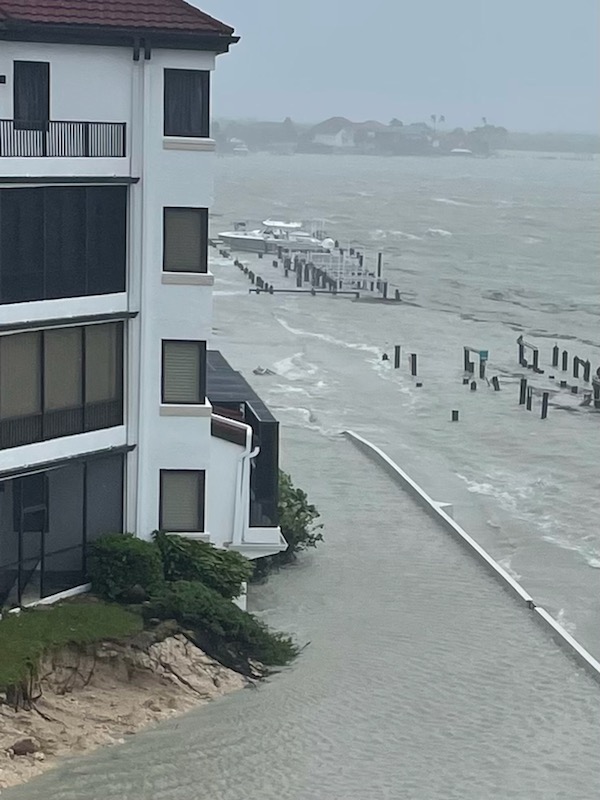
x: 367, y: 348
x: 448, y: 201
x: 438, y: 232
x: 409, y: 236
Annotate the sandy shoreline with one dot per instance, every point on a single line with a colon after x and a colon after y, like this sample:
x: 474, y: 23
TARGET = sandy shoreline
x: 97, y: 697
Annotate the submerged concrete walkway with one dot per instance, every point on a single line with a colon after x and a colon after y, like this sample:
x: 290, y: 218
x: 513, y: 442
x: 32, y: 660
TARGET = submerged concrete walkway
x: 424, y: 679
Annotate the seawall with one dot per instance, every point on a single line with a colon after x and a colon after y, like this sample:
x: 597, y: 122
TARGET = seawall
x: 436, y: 511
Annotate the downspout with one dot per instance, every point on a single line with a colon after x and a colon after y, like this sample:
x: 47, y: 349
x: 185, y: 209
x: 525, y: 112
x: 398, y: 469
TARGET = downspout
x: 242, y: 479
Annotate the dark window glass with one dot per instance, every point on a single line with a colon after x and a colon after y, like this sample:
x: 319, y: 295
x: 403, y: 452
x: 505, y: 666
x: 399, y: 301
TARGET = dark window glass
x: 65, y: 256
x: 185, y: 246
x: 182, y: 501
x: 183, y: 372
x: 62, y: 241
x: 106, y: 239
x: 104, y: 496
x: 31, y: 94
x: 186, y: 102
x: 21, y: 245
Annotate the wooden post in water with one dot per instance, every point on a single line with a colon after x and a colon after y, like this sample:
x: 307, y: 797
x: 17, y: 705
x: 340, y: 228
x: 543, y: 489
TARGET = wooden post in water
x: 482, y: 368
x: 413, y: 363
x: 521, y: 352
x: 587, y: 369
x: 565, y: 361
x: 496, y: 383
x: 536, y: 356
x: 397, y: 351
x: 467, y: 360
x: 379, y: 257
x: 576, y: 360
x: 545, y: 397
x: 555, y: 355
x: 384, y: 290
x: 455, y: 416
x: 529, y: 398
x: 523, y: 391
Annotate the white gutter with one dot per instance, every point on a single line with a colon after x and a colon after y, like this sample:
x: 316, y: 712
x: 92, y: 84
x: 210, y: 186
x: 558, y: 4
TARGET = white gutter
x: 241, y: 503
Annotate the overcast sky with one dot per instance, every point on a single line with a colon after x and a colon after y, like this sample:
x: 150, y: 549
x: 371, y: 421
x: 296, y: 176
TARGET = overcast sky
x: 531, y: 65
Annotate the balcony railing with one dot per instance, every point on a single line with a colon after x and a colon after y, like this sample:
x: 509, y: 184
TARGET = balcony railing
x: 60, y: 139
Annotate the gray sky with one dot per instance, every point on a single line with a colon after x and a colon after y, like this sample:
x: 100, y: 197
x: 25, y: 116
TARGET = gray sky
x: 531, y: 65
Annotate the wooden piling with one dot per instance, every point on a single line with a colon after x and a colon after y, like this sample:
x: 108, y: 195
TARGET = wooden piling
x: 397, y: 351
x: 455, y: 416
x: 379, y: 258
x: 523, y: 391
x: 529, y: 398
x: 545, y: 397
x: 413, y: 364
x: 565, y: 361
x: 496, y: 383
x: 473, y: 386
x: 587, y: 369
x: 555, y: 355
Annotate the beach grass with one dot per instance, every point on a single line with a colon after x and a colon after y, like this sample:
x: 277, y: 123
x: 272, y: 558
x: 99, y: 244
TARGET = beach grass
x: 27, y: 636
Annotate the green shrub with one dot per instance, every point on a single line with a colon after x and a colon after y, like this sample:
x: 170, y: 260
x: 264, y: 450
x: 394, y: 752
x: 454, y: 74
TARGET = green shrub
x: 218, y: 626
x: 120, y: 563
x: 297, y: 519
x: 188, y: 560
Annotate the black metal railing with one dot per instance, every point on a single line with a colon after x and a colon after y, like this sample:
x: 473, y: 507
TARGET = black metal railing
x: 62, y: 139
x: 18, y: 431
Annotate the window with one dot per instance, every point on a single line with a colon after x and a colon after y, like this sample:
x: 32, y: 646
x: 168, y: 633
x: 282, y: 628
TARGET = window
x: 60, y: 382
x: 186, y: 102
x: 183, y: 372
x: 185, y: 240
x: 62, y: 241
x: 182, y: 501
x: 31, y: 95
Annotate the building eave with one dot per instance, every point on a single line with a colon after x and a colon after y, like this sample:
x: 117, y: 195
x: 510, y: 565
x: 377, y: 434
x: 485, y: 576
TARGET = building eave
x: 112, y: 36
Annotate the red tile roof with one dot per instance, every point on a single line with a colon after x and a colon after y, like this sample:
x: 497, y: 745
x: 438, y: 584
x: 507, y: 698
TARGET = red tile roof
x: 174, y: 16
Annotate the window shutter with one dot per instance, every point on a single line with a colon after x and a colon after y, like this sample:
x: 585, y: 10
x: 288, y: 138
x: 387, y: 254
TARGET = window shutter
x: 62, y: 369
x: 102, y: 363
x: 182, y: 501
x: 20, y: 375
x: 182, y: 370
x: 185, y: 241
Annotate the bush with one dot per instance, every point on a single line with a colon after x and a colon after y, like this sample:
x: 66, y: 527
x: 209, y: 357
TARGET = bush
x: 297, y: 521
x: 188, y: 560
x: 220, y: 628
x: 120, y: 563
x: 297, y: 517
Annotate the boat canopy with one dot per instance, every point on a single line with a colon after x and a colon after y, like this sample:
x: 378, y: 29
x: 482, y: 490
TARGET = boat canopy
x: 273, y: 223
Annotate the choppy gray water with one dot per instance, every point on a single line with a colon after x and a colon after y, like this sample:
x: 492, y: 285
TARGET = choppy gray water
x: 423, y: 678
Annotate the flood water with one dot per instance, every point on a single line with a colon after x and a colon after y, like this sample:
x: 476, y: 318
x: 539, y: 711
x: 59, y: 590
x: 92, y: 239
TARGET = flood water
x: 423, y: 678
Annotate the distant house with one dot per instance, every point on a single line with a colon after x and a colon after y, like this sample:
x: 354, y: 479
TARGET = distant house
x: 336, y: 133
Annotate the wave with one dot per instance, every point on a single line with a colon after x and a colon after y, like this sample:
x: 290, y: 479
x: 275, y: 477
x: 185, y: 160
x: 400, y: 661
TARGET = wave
x: 450, y: 202
x: 409, y: 236
x: 438, y: 232
x: 295, y: 368
x: 324, y: 337
x: 564, y: 622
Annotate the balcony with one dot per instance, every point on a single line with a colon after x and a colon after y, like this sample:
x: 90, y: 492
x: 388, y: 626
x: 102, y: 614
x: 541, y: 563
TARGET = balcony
x: 62, y: 139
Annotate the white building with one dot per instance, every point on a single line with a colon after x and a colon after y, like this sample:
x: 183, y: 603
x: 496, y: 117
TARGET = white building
x: 106, y: 178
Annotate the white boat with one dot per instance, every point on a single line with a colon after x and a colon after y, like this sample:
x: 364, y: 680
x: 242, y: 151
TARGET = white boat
x: 461, y: 151
x: 273, y: 235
